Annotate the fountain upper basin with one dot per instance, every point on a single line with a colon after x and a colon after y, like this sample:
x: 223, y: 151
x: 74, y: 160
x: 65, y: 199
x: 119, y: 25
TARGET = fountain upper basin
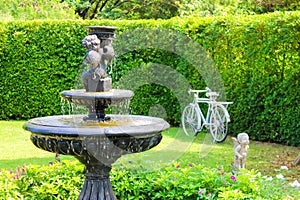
x: 111, y: 97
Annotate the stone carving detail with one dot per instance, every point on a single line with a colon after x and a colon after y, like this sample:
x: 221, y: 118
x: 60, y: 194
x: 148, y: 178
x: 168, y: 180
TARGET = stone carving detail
x: 100, y: 54
x: 241, y: 146
x: 98, y: 147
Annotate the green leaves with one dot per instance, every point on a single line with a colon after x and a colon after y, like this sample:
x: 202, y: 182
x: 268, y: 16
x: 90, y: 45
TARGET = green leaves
x: 186, y: 181
x: 257, y: 58
x: 36, y: 9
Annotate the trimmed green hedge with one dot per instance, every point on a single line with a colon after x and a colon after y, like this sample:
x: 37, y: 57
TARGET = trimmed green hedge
x: 39, y: 59
x: 256, y: 58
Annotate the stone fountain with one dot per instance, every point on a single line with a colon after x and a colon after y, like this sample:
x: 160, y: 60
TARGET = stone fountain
x: 97, y: 139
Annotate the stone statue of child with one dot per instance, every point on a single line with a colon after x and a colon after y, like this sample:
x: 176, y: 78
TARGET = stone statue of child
x: 108, y: 53
x: 241, y: 146
x: 92, y: 60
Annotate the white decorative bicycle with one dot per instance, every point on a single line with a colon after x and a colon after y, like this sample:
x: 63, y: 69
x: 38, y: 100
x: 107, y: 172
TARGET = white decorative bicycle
x: 216, y: 120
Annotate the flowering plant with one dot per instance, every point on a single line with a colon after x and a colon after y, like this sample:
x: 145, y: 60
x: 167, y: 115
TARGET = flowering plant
x: 183, y: 181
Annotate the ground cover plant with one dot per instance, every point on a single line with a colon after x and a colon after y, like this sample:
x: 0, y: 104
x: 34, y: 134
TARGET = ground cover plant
x: 180, y: 180
x: 192, y: 174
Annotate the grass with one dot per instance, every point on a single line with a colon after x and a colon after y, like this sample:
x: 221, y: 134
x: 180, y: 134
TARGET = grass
x: 16, y: 150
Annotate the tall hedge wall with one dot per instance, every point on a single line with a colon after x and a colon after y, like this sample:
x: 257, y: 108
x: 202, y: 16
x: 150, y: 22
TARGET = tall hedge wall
x: 257, y: 58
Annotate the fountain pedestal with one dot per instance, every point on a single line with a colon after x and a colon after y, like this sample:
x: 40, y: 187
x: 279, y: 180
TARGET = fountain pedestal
x: 97, y: 184
x: 103, y: 85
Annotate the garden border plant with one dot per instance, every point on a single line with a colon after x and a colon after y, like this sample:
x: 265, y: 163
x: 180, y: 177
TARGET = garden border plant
x: 179, y: 180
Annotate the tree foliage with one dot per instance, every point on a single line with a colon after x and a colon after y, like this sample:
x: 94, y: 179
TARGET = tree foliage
x: 235, y: 7
x: 137, y: 9
x: 35, y: 9
x: 125, y: 9
x: 165, y: 9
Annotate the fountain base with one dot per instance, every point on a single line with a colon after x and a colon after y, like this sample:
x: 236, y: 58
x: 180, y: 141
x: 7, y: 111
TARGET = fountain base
x: 97, y: 185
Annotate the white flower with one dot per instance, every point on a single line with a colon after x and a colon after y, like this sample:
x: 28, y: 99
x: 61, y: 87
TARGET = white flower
x: 295, y: 184
x: 269, y: 178
x: 279, y: 176
x: 284, y: 168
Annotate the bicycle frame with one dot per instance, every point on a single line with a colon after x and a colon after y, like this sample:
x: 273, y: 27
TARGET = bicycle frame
x: 210, y: 103
x: 216, y: 120
x: 204, y: 119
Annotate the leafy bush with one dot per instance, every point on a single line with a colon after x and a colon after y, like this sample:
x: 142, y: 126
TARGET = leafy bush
x: 63, y: 180
x: 36, y: 65
x: 55, y: 181
x: 257, y: 58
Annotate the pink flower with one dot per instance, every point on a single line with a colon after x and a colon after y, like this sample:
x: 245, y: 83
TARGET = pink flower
x: 208, y: 195
x: 17, y: 176
x: 200, y: 192
x: 219, y: 168
x: 233, y: 178
x: 23, y: 170
x: 190, y: 165
x: 178, y: 166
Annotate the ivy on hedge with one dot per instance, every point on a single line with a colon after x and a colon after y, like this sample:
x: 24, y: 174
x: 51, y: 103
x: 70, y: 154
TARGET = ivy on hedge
x: 257, y: 58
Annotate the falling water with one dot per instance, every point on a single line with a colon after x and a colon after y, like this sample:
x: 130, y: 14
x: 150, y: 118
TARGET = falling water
x: 65, y: 106
x: 78, y: 109
x: 122, y: 108
x: 69, y: 108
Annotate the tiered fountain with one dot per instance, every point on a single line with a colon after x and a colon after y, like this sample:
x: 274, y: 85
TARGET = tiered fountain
x: 97, y: 140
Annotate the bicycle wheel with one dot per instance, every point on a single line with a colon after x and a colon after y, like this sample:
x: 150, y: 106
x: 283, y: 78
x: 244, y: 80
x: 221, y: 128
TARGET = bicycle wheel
x: 190, y: 120
x: 218, y: 123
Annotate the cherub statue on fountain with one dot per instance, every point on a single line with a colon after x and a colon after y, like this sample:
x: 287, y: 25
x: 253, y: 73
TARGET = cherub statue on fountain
x: 241, y: 146
x: 95, y: 78
x: 108, y: 53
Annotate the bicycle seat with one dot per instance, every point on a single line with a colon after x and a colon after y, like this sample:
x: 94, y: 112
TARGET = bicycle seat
x: 212, y: 94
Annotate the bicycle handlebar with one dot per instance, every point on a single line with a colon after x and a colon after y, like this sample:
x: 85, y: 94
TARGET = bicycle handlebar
x: 199, y: 91
x: 212, y: 95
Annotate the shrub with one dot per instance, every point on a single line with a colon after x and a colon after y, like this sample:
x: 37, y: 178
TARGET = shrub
x: 63, y: 180
x: 257, y: 58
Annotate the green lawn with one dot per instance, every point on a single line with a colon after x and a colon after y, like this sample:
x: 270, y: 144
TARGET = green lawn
x: 16, y: 150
